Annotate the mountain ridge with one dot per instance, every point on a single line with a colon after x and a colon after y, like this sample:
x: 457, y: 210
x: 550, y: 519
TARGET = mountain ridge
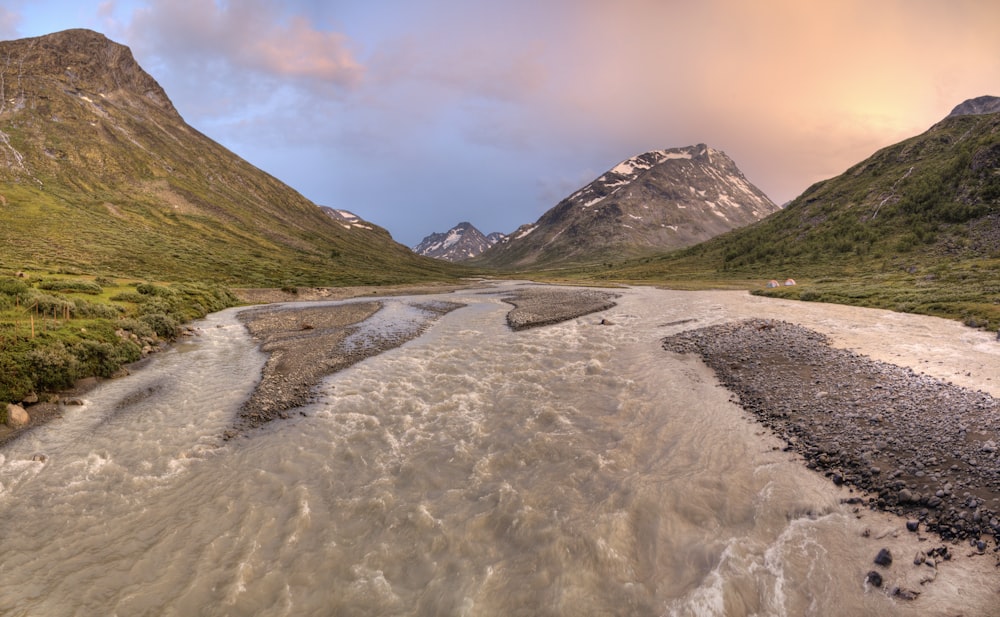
x: 99, y: 171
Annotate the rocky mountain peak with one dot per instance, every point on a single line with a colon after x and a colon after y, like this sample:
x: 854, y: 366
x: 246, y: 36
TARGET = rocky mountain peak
x: 78, y: 61
x: 652, y: 202
x: 977, y: 106
x: 461, y: 242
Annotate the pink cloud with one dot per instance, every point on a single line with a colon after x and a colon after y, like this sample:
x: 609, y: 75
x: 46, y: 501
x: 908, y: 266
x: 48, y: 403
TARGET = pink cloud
x: 256, y: 36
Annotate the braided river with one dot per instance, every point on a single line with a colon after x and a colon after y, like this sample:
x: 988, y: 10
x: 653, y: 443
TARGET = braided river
x: 572, y: 469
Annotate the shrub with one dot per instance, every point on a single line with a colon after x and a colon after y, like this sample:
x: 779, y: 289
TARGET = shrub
x: 164, y: 326
x: 15, y: 381
x: 71, y: 285
x: 53, y: 366
x: 94, y: 310
x: 102, y: 358
x: 128, y: 296
x: 137, y: 327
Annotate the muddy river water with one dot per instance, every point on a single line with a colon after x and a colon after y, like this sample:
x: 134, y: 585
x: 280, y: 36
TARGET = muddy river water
x: 573, y: 469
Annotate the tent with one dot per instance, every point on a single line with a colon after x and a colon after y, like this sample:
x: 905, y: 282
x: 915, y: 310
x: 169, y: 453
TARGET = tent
x: 772, y: 283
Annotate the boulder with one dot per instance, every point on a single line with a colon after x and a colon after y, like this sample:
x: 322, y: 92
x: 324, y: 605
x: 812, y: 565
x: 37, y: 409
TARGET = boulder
x: 17, y: 416
x: 884, y: 558
x: 874, y: 578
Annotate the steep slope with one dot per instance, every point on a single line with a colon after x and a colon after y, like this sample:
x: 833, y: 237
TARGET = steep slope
x: 99, y: 172
x: 460, y: 243
x: 656, y: 201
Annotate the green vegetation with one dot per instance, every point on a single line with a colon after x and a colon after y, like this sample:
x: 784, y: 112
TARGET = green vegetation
x: 55, y: 329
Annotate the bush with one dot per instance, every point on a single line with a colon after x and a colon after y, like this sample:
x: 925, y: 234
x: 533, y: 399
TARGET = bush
x: 15, y: 381
x: 93, y: 310
x: 102, y: 358
x: 53, y: 367
x: 128, y: 296
x: 137, y: 327
x: 165, y: 326
x: 149, y: 289
x: 71, y: 285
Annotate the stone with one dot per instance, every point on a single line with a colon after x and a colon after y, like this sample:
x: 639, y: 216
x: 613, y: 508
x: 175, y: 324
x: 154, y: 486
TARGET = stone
x: 905, y: 594
x: 912, y: 525
x: 31, y: 399
x: 874, y: 579
x: 884, y: 558
x: 17, y: 417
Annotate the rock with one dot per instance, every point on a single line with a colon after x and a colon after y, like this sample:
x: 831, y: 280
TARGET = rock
x: 989, y: 446
x: 919, y: 558
x: 884, y: 558
x: 31, y: 399
x: 912, y: 525
x: 72, y: 401
x: 905, y: 496
x: 905, y: 594
x: 874, y: 579
x: 17, y: 417
x: 38, y: 457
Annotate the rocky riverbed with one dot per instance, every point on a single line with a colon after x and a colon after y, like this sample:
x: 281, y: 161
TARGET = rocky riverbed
x: 915, y: 445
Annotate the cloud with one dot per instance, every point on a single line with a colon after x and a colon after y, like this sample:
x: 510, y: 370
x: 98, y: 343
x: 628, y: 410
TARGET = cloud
x: 9, y: 20
x: 242, y: 49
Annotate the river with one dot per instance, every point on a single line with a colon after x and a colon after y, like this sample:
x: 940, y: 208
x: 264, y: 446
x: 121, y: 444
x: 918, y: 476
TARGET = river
x: 573, y: 469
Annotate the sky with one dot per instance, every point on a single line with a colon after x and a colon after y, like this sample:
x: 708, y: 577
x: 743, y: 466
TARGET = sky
x: 420, y: 114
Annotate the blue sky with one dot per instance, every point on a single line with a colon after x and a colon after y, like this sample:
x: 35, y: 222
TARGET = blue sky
x: 419, y: 114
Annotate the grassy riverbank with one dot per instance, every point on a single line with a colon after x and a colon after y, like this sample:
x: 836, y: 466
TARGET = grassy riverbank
x: 56, y: 328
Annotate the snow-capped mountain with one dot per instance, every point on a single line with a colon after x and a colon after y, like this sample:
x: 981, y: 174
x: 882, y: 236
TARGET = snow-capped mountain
x: 654, y: 202
x: 461, y: 242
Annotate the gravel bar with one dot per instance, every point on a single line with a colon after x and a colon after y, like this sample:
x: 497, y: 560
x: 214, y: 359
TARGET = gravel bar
x: 535, y: 307
x: 919, y: 447
x: 304, y: 345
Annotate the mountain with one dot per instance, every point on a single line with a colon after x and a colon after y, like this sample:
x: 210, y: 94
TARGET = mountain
x: 653, y: 202
x: 461, y: 242
x: 915, y: 227
x: 977, y: 106
x: 100, y: 173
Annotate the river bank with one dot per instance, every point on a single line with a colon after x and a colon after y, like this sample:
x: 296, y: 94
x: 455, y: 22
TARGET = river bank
x: 917, y: 446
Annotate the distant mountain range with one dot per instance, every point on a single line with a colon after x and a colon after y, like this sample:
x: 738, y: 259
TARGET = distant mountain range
x: 653, y: 202
x: 460, y: 243
x: 99, y: 172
